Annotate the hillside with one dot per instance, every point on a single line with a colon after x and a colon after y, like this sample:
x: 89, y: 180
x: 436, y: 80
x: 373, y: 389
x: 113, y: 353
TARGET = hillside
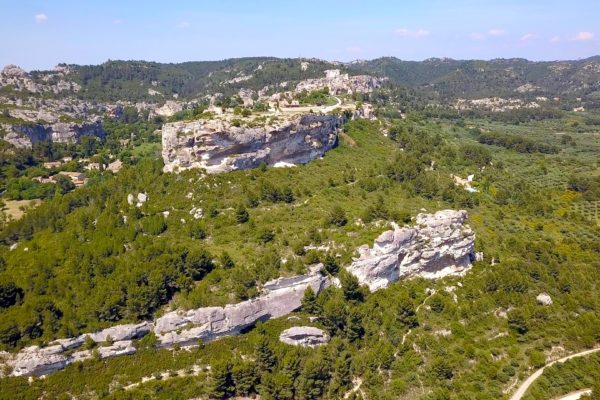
x: 452, y: 79
x: 426, y: 241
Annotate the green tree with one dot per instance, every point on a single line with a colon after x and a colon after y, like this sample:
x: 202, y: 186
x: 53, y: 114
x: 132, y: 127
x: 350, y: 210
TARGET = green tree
x: 221, y: 383
x: 313, y: 379
x: 10, y: 294
x: 331, y: 265
x: 198, y: 263
x: 405, y: 313
x: 276, y: 386
x: 337, y: 217
x: 309, y: 302
x: 244, y: 378
x: 64, y: 184
x: 517, y: 322
x: 265, y: 359
x: 351, y: 287
x: 241, y: 215
x: 226, y: 261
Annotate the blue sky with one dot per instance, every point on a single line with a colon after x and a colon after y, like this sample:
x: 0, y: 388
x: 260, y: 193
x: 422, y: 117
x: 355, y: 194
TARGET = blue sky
x: 38, y: 34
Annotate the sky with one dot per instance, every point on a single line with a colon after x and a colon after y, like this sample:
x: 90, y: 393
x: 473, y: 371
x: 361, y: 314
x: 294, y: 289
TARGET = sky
x: 38, y: 34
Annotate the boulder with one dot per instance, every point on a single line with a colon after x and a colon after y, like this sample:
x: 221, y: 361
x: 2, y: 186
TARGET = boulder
x: 544, y: 299
x: 217, y: 146
x: 305, y: 336
x: 439, y: 244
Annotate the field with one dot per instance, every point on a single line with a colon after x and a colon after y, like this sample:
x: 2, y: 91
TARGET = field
x: 15, y: 209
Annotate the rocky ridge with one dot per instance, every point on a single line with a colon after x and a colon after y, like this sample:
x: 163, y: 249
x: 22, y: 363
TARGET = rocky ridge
x: 339, y: 83
x: 27, y: 135
x: 220, y: 146
x: 440, y: 244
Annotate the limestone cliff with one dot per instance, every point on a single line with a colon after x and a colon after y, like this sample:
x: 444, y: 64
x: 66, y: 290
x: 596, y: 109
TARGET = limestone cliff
x: 439, y: 244
x: 219, y: 146
x: 26, y: 135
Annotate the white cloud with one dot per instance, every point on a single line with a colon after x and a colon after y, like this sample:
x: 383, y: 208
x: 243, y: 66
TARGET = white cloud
x: 419, y: 33
x: 527, y: 37
x: 477, y: 36
x: 40, y: 18
x: 184, y: 25
x: 584, y: 36
x: 554, y: 40
x: 497, y: 32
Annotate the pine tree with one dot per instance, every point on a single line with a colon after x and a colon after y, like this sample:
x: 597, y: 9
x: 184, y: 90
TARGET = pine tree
x: 309, y: 302
x: 265, y: 360
x: 221, y: 385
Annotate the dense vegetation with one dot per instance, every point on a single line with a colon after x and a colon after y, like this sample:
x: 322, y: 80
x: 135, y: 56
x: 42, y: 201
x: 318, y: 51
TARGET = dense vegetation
x: 450, y: 79
x: 105, y: 261
x: 132, y: 80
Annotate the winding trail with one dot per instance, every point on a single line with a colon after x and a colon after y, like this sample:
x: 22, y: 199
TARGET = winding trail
x: 518, y: 395
x: 575, y: 395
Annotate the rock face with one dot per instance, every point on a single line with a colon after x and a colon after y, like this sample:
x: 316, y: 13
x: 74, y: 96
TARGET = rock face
x: 169, y: 109
x: 20, y: 80
x: 218, y: 146
x: 34, y: 360
x: 338, y: 83
x: 305, y: 336
x: 440, y: 244
x: 280, y: 297
x: 25, y: 136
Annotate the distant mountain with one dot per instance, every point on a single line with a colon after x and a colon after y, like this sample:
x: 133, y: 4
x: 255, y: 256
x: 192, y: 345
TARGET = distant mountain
x: 142, y: 80
x: 450, y: 78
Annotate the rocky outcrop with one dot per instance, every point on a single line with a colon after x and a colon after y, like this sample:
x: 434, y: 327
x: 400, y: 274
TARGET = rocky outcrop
x: 114, y: 341
x: 218, y: 146
x: 280, y: 297
x: 184, y: 328
x: 169, y: 109
x: 305, y: 336
x: 439, y: 244
x: 339, y: 83
x: 26, y: 135
x: 51, y: 81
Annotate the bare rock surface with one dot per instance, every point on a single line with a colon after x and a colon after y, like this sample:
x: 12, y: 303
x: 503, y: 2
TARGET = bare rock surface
x: 27, y: 135
x: 113, y: 341
x: 439, y: 244
x: 280, y: 297
x: 544, y: 299
x: 305, y: 336
x: 218, y: 146
x: 339, y: 83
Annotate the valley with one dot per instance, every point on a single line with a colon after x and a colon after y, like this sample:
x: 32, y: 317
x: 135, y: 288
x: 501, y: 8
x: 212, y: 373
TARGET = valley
x: 182, y: 212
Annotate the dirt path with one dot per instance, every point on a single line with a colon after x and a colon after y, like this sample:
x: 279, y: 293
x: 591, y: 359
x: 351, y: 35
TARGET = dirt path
x: 575, y: 395
x: 518, y: 395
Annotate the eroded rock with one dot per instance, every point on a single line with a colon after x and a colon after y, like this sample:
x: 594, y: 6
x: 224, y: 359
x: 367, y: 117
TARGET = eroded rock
x: 305, y: 336
x: 439, y: 244
x: 280, y: 297
x: 218, y: 146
